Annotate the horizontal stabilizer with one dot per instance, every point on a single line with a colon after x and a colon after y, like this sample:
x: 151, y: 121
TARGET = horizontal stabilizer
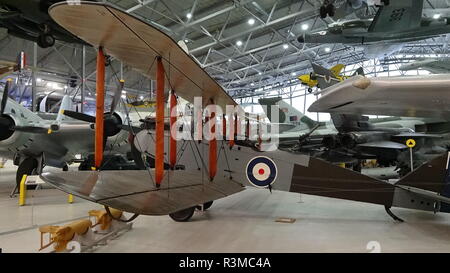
x: 134, y: 191
x: 324, y: 179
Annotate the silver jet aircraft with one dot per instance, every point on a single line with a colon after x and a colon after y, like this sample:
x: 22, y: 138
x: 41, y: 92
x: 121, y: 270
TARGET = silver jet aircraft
x: 433, y: 65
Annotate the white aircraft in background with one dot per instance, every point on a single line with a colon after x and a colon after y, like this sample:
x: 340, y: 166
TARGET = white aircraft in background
x: 433, y: 65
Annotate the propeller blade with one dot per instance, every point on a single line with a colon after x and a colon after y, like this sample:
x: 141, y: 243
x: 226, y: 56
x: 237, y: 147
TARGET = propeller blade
x: 31, y: 129
x: 117, y: 95
x: 5, y: 97
x: 79, y: 116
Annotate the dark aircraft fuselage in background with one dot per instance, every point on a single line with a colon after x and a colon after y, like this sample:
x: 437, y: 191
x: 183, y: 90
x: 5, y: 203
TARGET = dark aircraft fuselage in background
x: 29, y: 19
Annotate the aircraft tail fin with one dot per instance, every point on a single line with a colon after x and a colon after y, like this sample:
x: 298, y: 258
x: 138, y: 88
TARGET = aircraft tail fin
x: 66, y: 104
x: 426, y: 188
x: 431, y: 176
x: 359, y: 71
x: 287, y: 113
x: 337, y: 69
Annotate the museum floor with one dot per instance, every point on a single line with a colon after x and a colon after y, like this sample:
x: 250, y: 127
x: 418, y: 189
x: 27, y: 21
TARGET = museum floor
x: 245, y: 222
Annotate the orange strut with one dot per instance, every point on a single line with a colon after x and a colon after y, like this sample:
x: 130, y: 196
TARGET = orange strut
x: 224, y: 127
x: 231, y: 136
x: 213, y: 147
x: 100, y: 108
x: 159, y: 148
x: 173, y: 121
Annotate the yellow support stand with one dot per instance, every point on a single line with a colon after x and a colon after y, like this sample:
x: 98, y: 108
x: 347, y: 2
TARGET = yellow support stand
x: 23, y: 191
x: 342, y: 165
x: 70, y: 200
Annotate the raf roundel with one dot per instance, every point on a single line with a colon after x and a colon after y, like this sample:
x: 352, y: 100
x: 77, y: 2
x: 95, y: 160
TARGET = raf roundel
x: 261, y: 171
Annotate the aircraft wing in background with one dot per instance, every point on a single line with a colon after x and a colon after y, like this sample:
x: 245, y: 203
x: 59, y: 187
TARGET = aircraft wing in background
x: 416, y: 96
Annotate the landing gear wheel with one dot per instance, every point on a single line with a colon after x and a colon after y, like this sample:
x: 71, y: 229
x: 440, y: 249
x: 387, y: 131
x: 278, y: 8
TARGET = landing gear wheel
x: 28, y: 167
x: 183, y: 215
x: 330, y: 10
x: 65, y: 168
x: 323, y: 12
x: 206, y: 206
x: 45, y: 40
x: 310, y: 90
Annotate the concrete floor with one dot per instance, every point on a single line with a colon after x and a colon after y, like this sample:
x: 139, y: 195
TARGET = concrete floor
x: 244, y: 222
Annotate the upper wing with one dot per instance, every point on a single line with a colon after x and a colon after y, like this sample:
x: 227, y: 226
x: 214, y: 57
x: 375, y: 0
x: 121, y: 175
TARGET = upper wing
x: 399, y: 15
x: 137, y: 44
x: 418, y: 96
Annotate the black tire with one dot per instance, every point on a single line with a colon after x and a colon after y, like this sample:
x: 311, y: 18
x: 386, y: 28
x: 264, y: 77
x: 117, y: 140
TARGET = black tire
x: 28, y: 166
x: 46, y: 40
x: 330, y: 10
x: 183, y: 215
x: 206, y: 205
x: 310, y: 90
x: 323, y: 12
x: 65, y: 168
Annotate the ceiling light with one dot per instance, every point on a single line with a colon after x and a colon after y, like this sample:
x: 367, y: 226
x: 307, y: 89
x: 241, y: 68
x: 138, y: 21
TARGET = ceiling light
x: 239, y: 43
x: 293, y: 73
x: 252, y: 84
x: 189, y: 15
x: 327, y: 49
x: 65, y: 86
x: 38, y: 79
x: 186, y: 41
x: 124, y: 92
x: 123, y: 96
x: 141, y: 97
x: 259, y: 73
x: 285, y: 46
x: 229, y: 60
x: 251, y: 21
x: 305, y: 26
x: 436, y: 16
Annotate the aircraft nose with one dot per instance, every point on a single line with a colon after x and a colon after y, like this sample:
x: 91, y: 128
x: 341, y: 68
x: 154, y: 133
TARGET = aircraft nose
x: 301, y: 39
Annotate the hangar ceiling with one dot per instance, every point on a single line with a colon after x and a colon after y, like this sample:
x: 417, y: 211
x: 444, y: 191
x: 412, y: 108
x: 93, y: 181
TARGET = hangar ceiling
x: 247, y: 46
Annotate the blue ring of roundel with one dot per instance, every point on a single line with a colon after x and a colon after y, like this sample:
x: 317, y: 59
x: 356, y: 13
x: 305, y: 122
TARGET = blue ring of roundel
x: 272, y: 168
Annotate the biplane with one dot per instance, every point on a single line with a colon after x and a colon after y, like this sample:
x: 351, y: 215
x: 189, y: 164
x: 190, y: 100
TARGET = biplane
x: 197, y: 171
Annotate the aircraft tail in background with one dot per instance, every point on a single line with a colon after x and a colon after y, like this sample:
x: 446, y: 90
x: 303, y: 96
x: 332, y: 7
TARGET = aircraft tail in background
x: 287, y: 114
x: 66, y: 104
x: 337, y: 69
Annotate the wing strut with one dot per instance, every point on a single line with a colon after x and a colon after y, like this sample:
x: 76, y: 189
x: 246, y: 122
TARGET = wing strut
x: 173, y: 121
x: 224, y: 127
x: 247, y: 126
x: 233, y: 125
x: 100, y: 108
x: 159, y: 148
x: 212, y: 144
x: 258, y: 128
